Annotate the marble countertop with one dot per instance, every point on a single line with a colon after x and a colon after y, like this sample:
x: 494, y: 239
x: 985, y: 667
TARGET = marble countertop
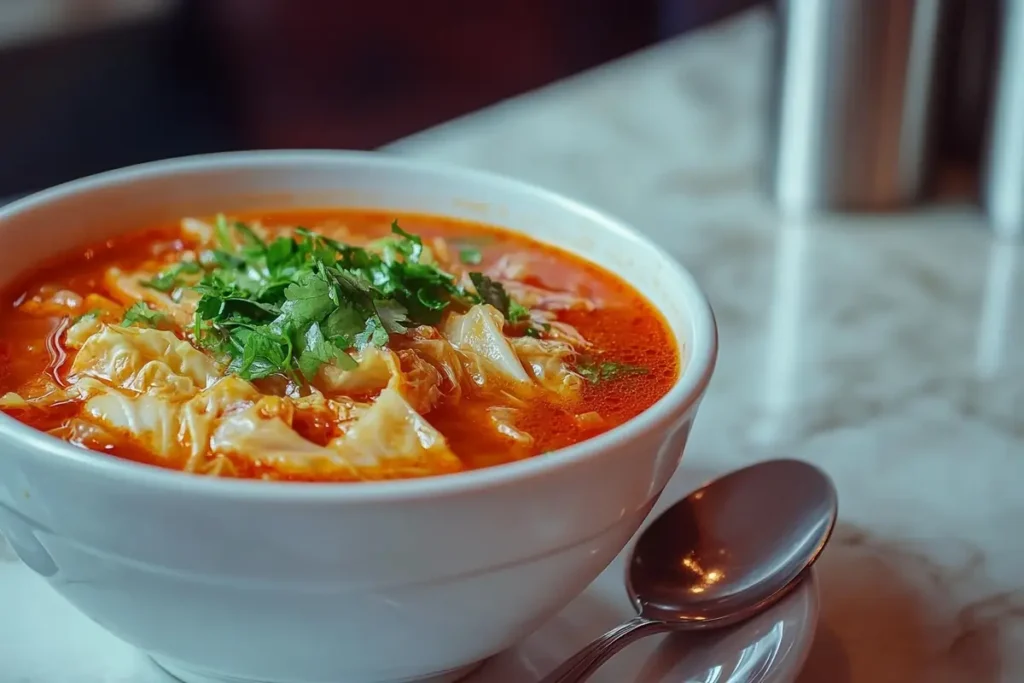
x: 880, y: 348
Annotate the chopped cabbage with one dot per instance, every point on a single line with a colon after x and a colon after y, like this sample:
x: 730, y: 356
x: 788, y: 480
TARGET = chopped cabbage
x: 538, y: 297
x: 268, y: 440
x: 151, y: 421
x: 430, y: 346
x: 129, y: 289
x: 487, y: 355
x: 144, y: 360
x: 418, y: 382
x: 503, y: 419
x: 393, y: 440
x: 51, y: 301
x: 374, y: 371
x: 549, y: 362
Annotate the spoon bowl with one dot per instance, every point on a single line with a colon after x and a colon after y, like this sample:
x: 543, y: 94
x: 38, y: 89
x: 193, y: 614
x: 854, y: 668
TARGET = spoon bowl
x: 732, y: 547
x: 724, y: 554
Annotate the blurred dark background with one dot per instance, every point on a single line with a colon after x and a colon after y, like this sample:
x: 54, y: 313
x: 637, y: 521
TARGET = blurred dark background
x: 88, y: 85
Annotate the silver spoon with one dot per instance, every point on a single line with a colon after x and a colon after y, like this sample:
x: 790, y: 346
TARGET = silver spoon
x: 723, y: 554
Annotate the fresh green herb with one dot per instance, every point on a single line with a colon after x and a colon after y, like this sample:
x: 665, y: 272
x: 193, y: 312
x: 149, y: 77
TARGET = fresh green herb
x: 141, y: 314
x: 471, y: 256
x: 94, y: 314
x: 517, y: 312
x: 293, y: 304
x: 170, y: 278
x: 220, y: 224
x: 494, y: 293
x: 596, y: 371
x: 491, y: 292
x: 250, y: 238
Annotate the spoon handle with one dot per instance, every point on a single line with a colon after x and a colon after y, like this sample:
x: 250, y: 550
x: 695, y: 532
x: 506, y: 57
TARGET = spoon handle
x: 585, y: 662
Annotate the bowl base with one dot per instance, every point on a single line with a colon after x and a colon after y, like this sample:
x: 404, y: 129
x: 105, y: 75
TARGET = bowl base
x: 187, y: 675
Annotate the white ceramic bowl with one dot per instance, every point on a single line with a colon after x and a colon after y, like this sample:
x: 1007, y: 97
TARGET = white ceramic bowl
x: 224, y: 580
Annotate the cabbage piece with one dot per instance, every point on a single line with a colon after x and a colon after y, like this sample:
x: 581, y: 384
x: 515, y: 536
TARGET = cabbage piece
x: 549, y: 362
x: 418, y: 382
x: 513, y: 266
x: 589, y: 420
x: 427, y: 343
x: 12, y: 400
x: 503, y: 419
x: 406, y: 372
x: 486, y: 353
x: 144, y: 360
x: 374, y: 371
x: 150, y: 421
x: 197, y: 231
x: 268, y: 440
x: 50, y: 300
x: 326, y: 418
x: 175, y: 431
x: 546, y: 299
x: 393, y: 440
x: 558, y: 330
x: 199, y: 416
x: 128, y: 288
x: 85, y: 433
x: 231, y: 418
x: 205, y: 234
x: 40, y: 391
x: 80, y: 332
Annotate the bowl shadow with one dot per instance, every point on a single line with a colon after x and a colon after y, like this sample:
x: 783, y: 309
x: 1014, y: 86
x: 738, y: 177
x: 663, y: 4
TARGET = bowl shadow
x: 888, y: 615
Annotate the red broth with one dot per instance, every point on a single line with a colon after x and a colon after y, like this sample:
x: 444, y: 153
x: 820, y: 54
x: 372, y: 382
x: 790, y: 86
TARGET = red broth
x: 624, y: 328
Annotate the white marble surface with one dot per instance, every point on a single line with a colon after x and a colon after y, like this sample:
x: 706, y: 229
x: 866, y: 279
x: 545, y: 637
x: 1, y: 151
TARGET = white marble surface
x: 880, y: 348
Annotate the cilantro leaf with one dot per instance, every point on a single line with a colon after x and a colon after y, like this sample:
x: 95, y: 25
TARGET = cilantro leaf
x: 264, y: 353
x: 291, y: 304
x: 315, y: 350
x: 220, y: 225
x: 141, y: 314
x: 94, y: 313
x: 308, y: 299
x: 517, y: 312
x: 411, y: 246
x: 345, y: 321
x: 471, y: 256
x: 596, y: 371
x: 373, y: 334
x: 392, y: 316
x: 170, y: 278
x: 493, y: 293
x: 249, y: 236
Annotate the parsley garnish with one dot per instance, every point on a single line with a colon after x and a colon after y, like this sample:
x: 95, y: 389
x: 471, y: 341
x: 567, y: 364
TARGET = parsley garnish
x: 141, y: 314
x: 94, y: 313
x: 493, y: 293
x: 596, y: 371
x: 471, y: 256
x: 171, y: 277
x: 292, y: 304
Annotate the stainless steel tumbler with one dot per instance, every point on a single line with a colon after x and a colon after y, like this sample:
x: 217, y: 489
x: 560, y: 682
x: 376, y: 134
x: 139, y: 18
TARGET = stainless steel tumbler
x: 1003, y: 174
x: 853, y: 103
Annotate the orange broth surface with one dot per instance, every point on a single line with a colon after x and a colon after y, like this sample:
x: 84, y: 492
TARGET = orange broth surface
x: 625, y: 328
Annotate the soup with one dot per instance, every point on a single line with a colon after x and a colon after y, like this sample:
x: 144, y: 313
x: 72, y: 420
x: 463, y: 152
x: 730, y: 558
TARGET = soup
x: 328, y: 346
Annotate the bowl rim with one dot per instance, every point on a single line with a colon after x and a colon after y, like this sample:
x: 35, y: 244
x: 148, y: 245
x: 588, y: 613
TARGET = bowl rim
x: 684, y: 395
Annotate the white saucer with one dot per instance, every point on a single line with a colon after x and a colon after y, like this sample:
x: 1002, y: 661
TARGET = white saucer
x: 45, y: 640
x: 769, y: 649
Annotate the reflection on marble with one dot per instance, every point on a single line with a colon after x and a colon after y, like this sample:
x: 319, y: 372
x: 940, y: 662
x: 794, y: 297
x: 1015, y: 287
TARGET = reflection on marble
x: 880, y: 348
